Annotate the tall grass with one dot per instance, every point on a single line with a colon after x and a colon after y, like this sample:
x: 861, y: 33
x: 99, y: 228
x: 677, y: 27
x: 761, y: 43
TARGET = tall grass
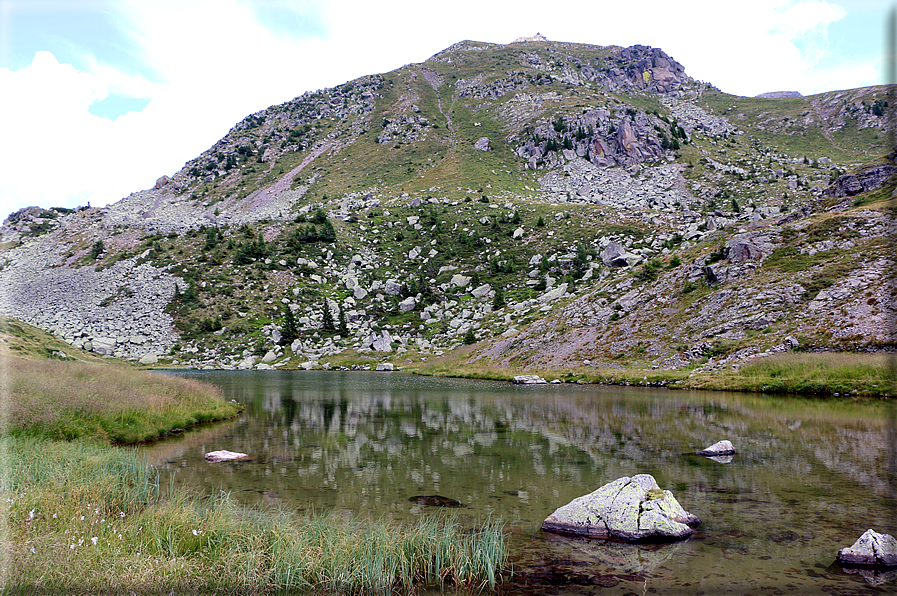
x: 71, y: 400
x: 824, y: 373
x: 88, y: 518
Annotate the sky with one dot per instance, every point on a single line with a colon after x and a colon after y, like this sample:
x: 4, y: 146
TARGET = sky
x: 99, y: 98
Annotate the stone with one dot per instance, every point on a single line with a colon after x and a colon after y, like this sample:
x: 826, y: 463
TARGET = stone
x: 391, y: 287
x: 276, y: 336
x: 481, y: 291
x: 270, y: 356
x: 248, y: 363
x: 460, y: 281
x: 719, y: 448
x: 308, y: 365
x: 385, y: 367
x: 380, y: 343
x: 103, y: 345
x: 614, y: 255
x: 870, y: 550
x: 359, y: 293
x: 149, y: 359
x: 518, y: 233
x: 629, y: 508
x: 223, y: 455
x: 407, y: 304
x: 528, y: 380
x: 482, y: 144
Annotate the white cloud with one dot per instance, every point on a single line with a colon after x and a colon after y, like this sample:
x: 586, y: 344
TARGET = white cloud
x: 206, y: 64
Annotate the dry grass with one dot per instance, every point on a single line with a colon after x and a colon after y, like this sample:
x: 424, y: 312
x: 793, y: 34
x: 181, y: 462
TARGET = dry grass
x: 70, y: 400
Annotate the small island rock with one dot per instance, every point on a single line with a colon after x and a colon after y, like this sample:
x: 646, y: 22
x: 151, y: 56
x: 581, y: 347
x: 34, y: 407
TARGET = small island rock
x: 718, y: 448
x: 223, y: 455
x: 632, y: 509
x: 870, y: 550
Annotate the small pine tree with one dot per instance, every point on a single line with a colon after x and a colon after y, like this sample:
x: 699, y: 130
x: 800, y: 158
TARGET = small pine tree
x: 469, y: 337
x: 341, y: 323
x: 735, y: 206
x: 97, y: 249
x: 498, y: 301
x: 289, y: 332
x: 540, y: 223
x: 327, y: 318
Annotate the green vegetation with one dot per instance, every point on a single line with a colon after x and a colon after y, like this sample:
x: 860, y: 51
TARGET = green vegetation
x: 86, y: 518
x: 826, y: 373
x: 102, y: 402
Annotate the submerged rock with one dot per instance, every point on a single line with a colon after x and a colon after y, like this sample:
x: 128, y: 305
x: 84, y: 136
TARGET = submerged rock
x: 631, y: 509
x: 870, y: 550
x: 720, y: 448
x: 435, y: 501
x: 223, y: 455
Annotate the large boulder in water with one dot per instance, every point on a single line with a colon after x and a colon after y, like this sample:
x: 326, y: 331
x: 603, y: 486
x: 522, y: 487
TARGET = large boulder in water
x: 633, y: 509
x: 870, y: 550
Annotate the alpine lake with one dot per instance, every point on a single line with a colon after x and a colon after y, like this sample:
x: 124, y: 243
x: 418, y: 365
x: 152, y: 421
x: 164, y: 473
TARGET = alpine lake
x: 809, y: 478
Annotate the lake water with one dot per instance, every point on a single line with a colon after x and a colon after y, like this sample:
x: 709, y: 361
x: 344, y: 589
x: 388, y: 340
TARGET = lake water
x: 808, y: 479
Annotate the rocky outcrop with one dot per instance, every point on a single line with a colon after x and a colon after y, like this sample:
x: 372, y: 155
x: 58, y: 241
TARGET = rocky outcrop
x: 632, y: 509
x: 870, y: 179
x: 870, y: 550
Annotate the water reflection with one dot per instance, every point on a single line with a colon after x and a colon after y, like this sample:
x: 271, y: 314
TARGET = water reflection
x: 808, y: 478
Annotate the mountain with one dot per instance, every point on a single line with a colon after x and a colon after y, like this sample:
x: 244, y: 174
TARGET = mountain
x: 553, y: 202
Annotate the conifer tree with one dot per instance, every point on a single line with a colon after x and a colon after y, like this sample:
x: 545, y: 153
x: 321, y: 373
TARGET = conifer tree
x: 341, y: 322
x: 327, y: 318
x: 289, y: 332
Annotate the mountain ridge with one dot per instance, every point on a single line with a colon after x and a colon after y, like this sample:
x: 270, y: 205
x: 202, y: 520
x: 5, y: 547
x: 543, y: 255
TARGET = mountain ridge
x: 599, y: 190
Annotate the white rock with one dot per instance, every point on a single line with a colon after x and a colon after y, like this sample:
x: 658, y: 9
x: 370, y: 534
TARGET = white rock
x: 460, y: 281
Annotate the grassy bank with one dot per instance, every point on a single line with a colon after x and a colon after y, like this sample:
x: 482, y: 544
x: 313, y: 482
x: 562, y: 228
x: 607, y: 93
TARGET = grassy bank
x: 80, y: 400
x: 799, y: 373
x: 81, y: 516
x: 825, y: 373
x: 86, y: 518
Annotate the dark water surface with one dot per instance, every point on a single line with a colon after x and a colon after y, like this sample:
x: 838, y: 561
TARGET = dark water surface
x: 809, y: 478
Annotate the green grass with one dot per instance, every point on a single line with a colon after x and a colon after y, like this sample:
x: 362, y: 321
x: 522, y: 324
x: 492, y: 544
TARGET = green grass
x: 85, y: 518
x: 80, y: 400
x: 823, y: 374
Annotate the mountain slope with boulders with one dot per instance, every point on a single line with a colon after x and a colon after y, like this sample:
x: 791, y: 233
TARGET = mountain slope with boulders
x: 554, y: 203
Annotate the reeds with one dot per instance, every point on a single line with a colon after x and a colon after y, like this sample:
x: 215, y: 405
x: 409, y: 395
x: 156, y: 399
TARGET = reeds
x: 88, y: 518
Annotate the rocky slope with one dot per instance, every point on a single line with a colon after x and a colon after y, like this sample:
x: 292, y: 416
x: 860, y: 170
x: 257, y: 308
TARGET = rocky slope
x: 558, y: 202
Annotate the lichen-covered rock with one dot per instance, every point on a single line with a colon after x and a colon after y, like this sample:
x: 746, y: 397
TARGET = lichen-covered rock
x: 870, y: 550
x: 633, y: 509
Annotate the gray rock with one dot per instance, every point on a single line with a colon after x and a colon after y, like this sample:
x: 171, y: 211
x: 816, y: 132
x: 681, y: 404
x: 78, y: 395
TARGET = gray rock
x: 870, y: 550
x: 392, y: 288
x: 481, y: 291
x: 103, y: 345
x: 385, y: 367
x: 407, y: 304
x: 248, y: 363
x: 614, y: 255
x: 380, y: 343
x: 528, y: 380
x: 460, y: 281
x: 269, y: 357
x: 719, y: 448
x: 149, y: 359
x: 224, y: 455
x: 483, y: 144
x: 632, y: 509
